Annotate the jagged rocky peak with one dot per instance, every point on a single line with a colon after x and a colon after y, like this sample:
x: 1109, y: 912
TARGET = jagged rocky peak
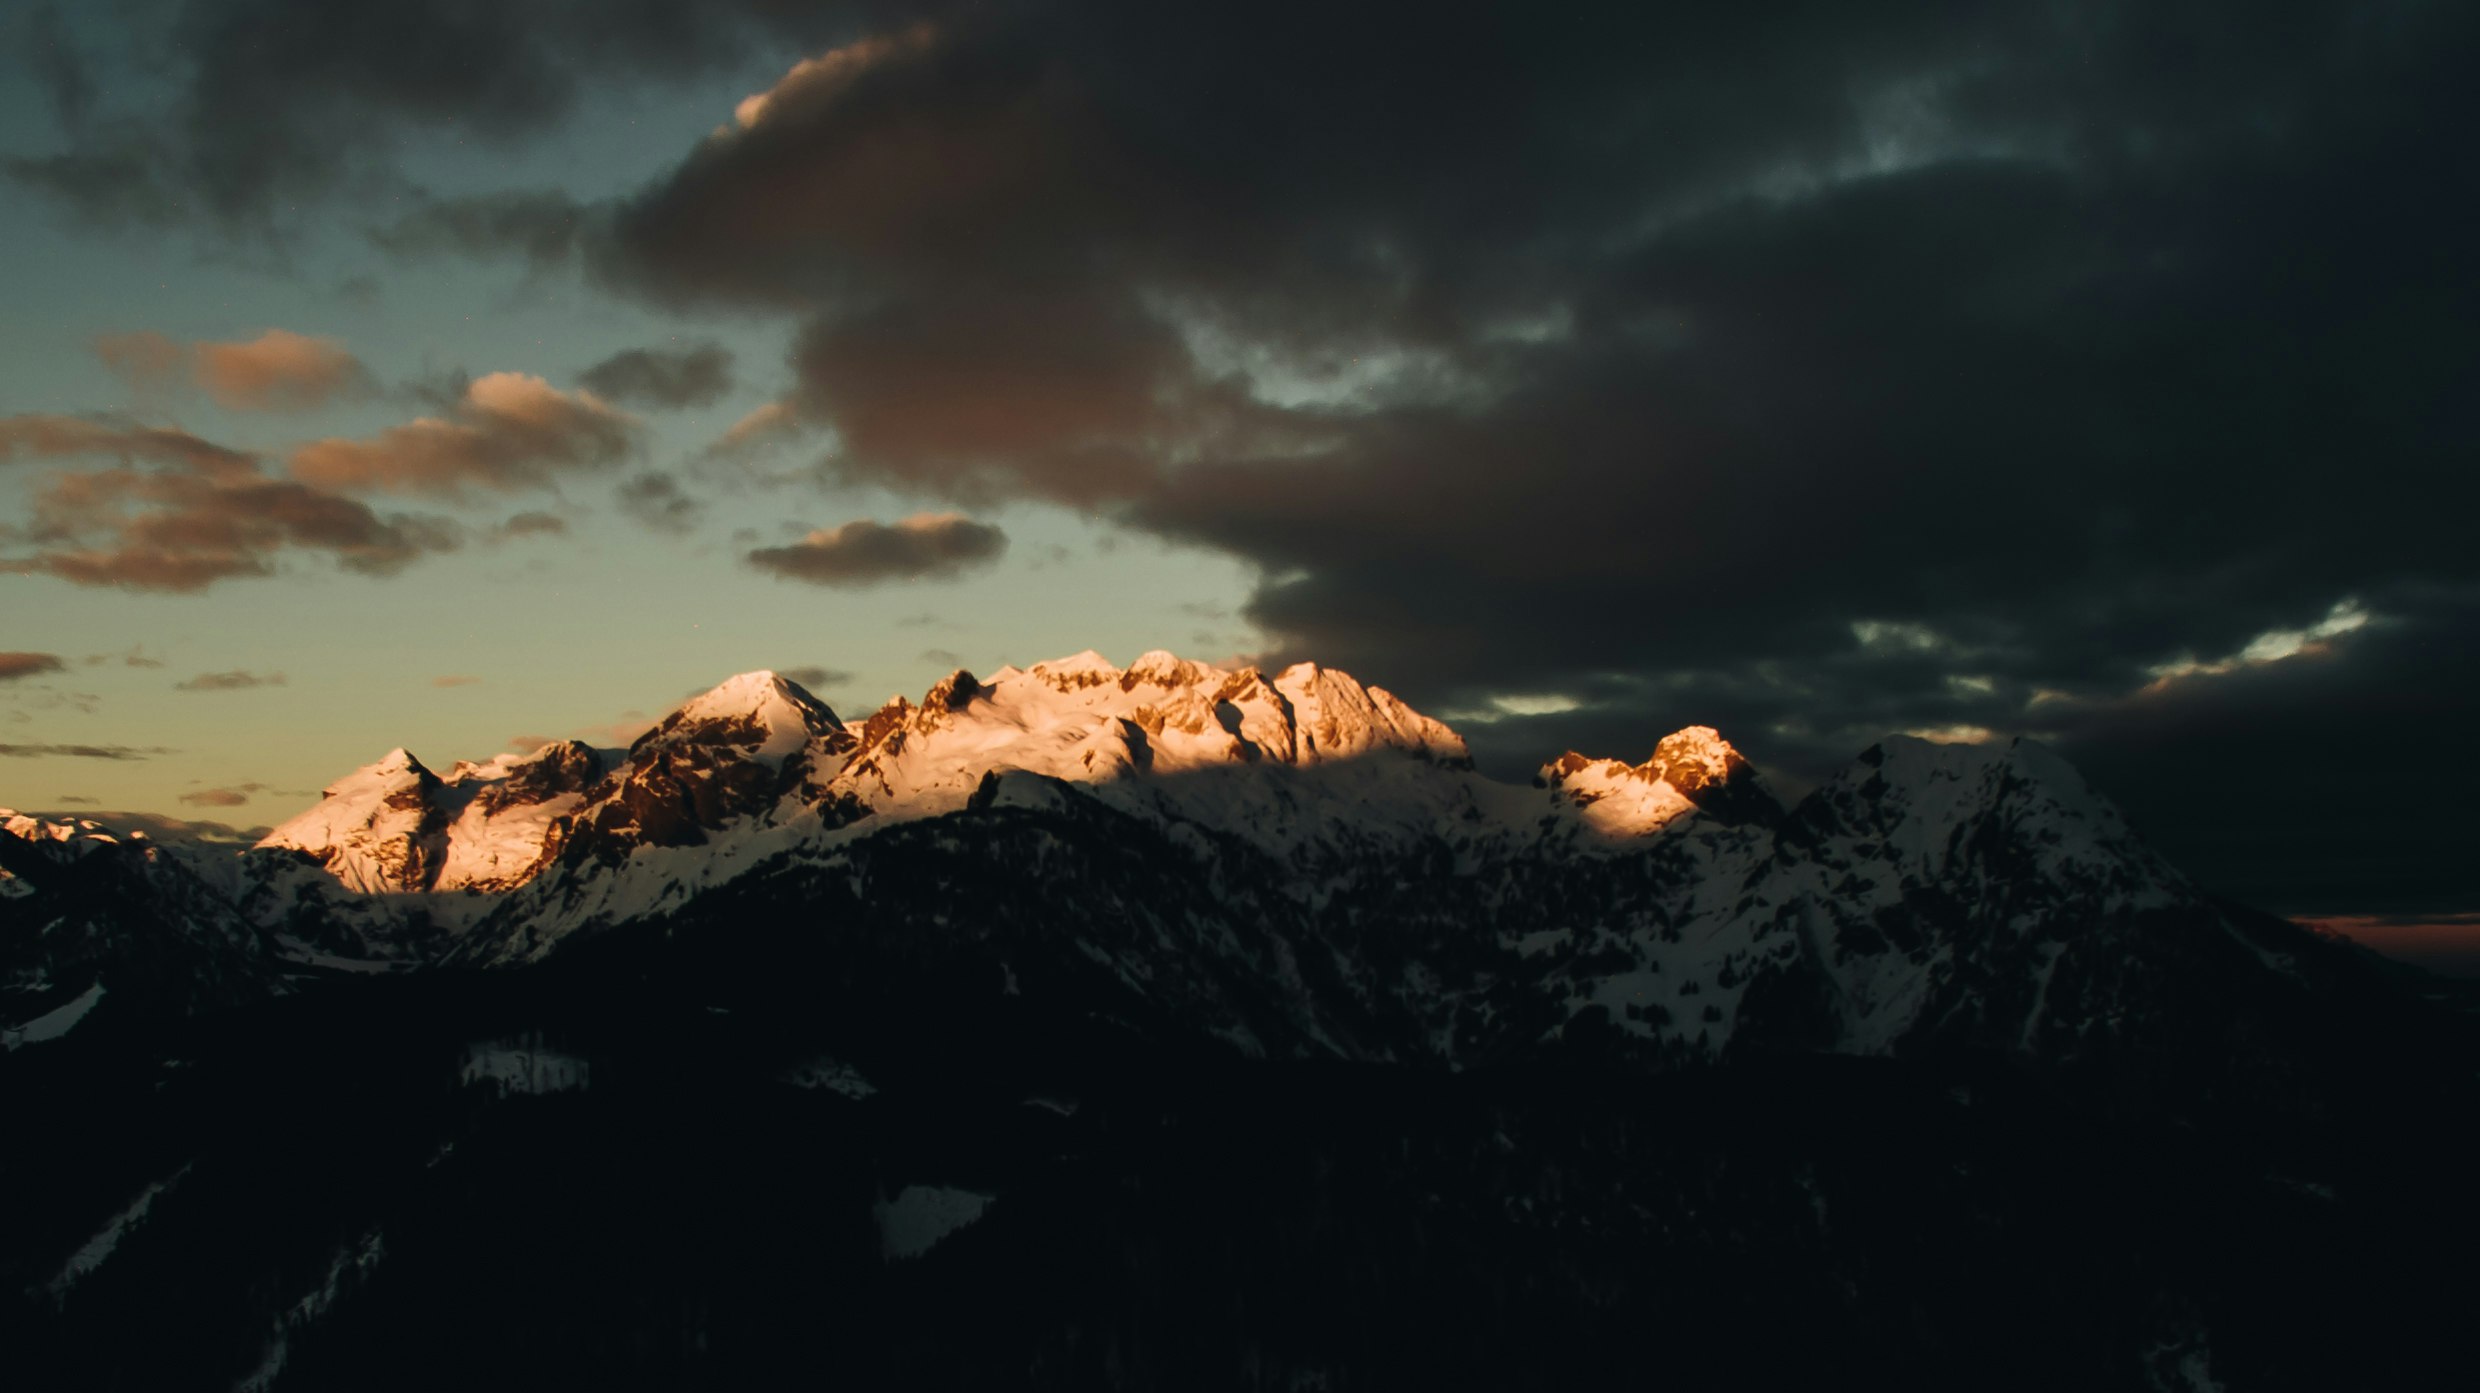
x: 1694, y: 769
x: 1335, y: 717
x: 765, y: 714
x: 1086, y: 669
x: 1693, y: 758
x: 1165, y: 670
x: 28, y: 827
x: 378, y: 829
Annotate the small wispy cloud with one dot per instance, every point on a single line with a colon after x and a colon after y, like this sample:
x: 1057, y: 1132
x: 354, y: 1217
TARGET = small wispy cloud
x: 234, y: 681
x: 232, y: 797
x: 82, y: 751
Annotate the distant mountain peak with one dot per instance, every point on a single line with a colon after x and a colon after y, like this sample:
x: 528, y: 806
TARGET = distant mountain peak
x: 1693, y: 769
x: 767, y: 713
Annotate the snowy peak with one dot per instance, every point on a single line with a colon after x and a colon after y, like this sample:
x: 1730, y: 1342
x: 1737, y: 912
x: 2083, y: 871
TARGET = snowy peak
x: 1691, y: 770
x: 1963, y: 818
x: 1337, y: 718
x: 767, y: 715
x: 395, y: 827
x: 512, y: 806
x: 379, y: 829
x: 1694, y: 758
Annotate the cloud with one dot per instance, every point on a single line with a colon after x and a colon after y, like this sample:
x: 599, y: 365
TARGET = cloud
x: 221, y: 797
x: 532, y: 524
x: 865, y: 552
x: 256, y: 112
x: 698, y: 375
x: 509, y: 431
x: 71, y: 798
x: 135, y: 657
x: 43, y: 436
x: 113, y: 752
x: 538, y: 226
x: 52, y: 52
x: 656, y: 500
x: 234, y: 681
x: 1676, y: 363
x: 456, y: 681
x: 277, y: 371
x: 146, y: 360
x: 200, y: 514
x: 764, y: 425
x: 14, y: 666
x: 176, y: 532
x: 817, y: 678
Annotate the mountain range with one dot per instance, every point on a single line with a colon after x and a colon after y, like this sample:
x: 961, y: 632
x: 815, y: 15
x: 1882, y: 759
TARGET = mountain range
x: 1191, y: 1026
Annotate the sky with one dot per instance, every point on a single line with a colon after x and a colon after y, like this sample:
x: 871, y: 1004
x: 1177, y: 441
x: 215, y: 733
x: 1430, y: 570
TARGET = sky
x: 461, y: 376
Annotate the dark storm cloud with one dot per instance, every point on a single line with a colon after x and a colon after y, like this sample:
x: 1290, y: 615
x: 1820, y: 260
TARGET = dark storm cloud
x: 18, y: 665
x: 265, y: 105
x: 1908, y: 367
x: 58, y: 67
x: 666, y: 377
x: 865, y: 552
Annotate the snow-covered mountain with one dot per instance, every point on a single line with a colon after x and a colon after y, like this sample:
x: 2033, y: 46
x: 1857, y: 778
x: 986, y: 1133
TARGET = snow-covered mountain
x: 1296, y: 863
x: 88, y: 913
x: 396, y: 827
x: 952, y: 1016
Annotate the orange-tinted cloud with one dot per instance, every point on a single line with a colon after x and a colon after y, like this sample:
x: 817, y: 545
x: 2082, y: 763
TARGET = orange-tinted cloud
x: 509, y: 431
x: 221, y: 797
x: 865, y: 552
x: 43, y: 436
x: 147, y: 360
x: 17, y: 665
x: 277, y: 371
x: 763, y: 425
x: 176, y: 531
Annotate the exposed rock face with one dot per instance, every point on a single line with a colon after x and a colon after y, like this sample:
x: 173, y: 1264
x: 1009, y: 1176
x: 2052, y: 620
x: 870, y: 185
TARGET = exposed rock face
x: 381, y: 829
x: 727, y: 756
x: 1693, y: 770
